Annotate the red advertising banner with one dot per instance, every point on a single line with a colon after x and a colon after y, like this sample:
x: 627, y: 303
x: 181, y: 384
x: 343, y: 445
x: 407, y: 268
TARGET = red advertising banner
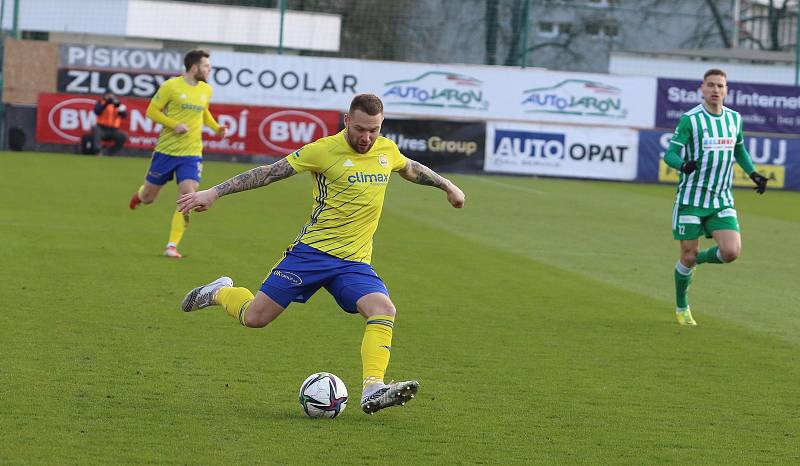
x: 63, y: 118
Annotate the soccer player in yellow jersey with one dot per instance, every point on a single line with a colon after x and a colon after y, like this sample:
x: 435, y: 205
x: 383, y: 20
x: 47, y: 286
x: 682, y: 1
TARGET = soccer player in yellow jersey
x: 350, y: 171
x: 181, y: 107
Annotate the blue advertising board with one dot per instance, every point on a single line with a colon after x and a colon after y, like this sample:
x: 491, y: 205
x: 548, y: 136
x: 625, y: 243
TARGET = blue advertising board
x: 776, y: 158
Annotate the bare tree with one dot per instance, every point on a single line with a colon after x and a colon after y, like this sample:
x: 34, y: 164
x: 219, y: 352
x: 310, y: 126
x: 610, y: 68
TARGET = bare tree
x: 581, y: 37
x: 720, y: 23
x: 567, y: 35
x: 762, y: 25
x: 369, y: 27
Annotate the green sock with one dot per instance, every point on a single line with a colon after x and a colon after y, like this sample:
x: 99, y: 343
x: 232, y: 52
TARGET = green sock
x: 709, y: 256
x: 682, y: 282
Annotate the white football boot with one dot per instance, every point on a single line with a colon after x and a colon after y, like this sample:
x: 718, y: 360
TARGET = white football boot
x: 202, y: 296
x: 379, y: 395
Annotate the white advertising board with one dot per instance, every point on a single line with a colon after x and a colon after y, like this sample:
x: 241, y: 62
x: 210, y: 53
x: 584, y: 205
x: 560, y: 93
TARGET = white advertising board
x: 564, y: 151
x: 414, y: 89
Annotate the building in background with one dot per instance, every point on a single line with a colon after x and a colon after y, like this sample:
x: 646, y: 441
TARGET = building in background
x: 140, y: 24
x: 573, y: 35
x: 765, y: 24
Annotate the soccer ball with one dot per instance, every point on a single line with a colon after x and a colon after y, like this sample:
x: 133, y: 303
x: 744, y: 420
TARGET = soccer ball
x: 323, y: 395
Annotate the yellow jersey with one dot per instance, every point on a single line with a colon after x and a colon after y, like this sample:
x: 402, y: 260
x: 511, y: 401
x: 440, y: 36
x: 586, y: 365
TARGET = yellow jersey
x: 179, y: 102
x: 348, y: 191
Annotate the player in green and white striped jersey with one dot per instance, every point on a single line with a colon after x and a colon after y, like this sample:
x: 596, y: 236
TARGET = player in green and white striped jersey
x: 703, y: 148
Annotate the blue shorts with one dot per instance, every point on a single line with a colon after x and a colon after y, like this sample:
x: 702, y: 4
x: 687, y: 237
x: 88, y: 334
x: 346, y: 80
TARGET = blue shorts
x: 304, y: 270
x: 184, y: 167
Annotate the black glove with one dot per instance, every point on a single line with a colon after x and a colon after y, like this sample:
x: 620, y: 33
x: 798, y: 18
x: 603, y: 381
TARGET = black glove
x: 760, y: 181
x: 689, y: 167
x: 115, y: 102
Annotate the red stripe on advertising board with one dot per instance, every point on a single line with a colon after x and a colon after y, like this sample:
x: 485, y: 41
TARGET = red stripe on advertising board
x: 63, y: 118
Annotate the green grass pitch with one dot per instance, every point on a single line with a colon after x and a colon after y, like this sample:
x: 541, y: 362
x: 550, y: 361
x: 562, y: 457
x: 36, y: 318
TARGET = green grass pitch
x: 538, y: 320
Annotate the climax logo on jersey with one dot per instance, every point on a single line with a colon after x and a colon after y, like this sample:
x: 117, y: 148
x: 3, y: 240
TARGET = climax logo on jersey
x: 371, y: 178
x: 288, y: 130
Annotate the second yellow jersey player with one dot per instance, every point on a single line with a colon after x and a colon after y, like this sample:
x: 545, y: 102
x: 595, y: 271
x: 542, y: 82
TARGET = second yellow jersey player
x: 178, y: 102
x: 181, y: 107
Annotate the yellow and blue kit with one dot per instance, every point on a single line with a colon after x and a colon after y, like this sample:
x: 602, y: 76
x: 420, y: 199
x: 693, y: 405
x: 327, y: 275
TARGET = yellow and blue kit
x: 334, y: 248
x: 179, y: 155
x: 179, y: 102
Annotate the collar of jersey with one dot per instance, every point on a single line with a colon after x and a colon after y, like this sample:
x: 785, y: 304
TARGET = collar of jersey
x: 713, y: 115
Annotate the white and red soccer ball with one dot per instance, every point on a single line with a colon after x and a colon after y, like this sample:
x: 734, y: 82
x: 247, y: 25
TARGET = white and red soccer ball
x: 323, y: 395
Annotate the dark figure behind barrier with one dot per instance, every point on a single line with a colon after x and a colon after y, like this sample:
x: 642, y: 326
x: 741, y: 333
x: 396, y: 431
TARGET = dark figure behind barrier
x: 110, y: 113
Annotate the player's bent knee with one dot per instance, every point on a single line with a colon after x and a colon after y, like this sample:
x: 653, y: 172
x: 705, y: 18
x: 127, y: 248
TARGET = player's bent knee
x: 729, y: 255
x: 148, y: 196
x: 255, y: 321
x: 389, y: 310
x: 262, y: 311
x: 689, y: 258
x: 256, y: 318
x: 376, y: 304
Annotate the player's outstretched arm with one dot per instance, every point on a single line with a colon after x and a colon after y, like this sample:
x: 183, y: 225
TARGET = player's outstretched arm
x: 416, y: 172
x: 251, y: 179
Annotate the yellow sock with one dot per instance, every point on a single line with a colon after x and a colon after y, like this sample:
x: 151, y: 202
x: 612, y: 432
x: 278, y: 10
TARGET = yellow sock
x: 178, y: 227
x: 235, y: 301
x: 376, y: 348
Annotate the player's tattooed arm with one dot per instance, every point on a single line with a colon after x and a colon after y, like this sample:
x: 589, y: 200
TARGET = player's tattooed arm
x: 260, y: 176
x: 416, y: 172
x: 255, y: 178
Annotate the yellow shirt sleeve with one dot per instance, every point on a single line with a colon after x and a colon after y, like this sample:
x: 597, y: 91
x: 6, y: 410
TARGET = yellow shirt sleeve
x: 307, y: 158
x: 400, y: 160
x: 208, y: 120
x: 158, y: 103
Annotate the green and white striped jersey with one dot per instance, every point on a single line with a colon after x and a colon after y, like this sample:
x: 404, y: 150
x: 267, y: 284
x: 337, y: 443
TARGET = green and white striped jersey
x: 714, y: 141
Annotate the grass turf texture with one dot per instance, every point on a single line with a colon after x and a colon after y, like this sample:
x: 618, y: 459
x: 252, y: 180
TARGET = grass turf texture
x: 539, y: 321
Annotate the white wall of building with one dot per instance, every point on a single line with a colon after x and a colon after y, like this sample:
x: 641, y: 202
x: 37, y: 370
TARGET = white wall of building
x: 232, y: 25
x: 102, y: 17
x: 158, y: 20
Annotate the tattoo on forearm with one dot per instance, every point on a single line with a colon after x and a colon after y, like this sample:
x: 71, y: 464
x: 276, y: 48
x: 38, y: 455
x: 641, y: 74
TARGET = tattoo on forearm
x: 255, y: 178
x: 426, y: 176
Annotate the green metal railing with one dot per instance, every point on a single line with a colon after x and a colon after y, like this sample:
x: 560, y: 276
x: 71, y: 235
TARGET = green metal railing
x: 282, y: 7
x: 797, y: 47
